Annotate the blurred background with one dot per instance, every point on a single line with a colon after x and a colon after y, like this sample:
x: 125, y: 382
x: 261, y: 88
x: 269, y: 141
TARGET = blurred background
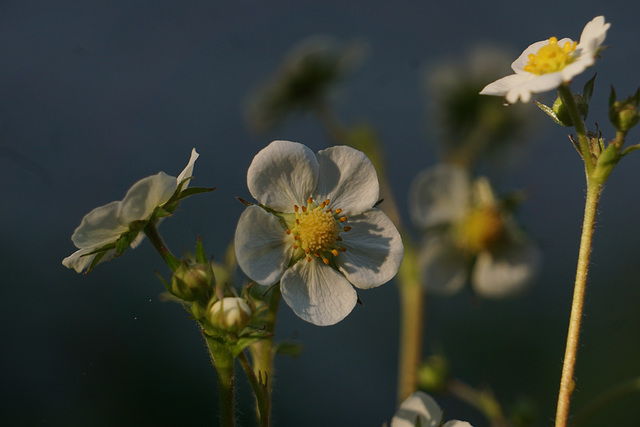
x: 96, y: 95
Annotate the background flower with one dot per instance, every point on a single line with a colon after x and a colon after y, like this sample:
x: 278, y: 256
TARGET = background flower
x: 316, y: 230
x: 100, y: 229
x: 469, y: 236
x: 422, y: 406
x: 547, y: 64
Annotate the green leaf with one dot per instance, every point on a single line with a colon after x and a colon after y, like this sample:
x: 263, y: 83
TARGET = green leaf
x: 194, y: 190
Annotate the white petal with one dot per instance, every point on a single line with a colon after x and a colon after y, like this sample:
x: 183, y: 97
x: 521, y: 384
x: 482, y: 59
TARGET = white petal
x: 99, y: 227
x: 146, y: 195
x: 506, y: 272
x: 456, y: 423
x: 347, y: 177
x: 80, y: 262
x: 523, y: 59
x: 263, y: 248
x: 317, y: 293
x: 444, y: 268
x: 439, y: 195
x: 593, y: 35
x: 283, y: 174
x: 374, y: 250
x: 418, y: 405
x: 187, y: 172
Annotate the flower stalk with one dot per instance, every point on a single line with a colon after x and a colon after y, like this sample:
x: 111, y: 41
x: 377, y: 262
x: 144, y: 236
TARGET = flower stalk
x: 222, y: 360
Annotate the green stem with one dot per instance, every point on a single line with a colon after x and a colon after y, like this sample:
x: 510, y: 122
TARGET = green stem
x: 259, y: 389
x: 222, y: 360
x: 263, y: 352
x: 583, y: 141
x: 151, y: 231
x: 567, y: 383
x: 483, y: 400
x: 411, y: 323
x: 605, y: 398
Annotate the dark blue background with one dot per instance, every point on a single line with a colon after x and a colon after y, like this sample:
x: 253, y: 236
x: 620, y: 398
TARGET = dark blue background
x: 96, y: 95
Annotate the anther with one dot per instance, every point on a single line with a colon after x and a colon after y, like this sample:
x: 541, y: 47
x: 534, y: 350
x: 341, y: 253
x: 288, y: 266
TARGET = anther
x: 346, y: 228
x: 343, y: 218
x: 288, y: 231
x: 295, y: 208
x: 304, y: 209
x: 308, y: 258
x: 326, y: 261
x: 342, y: 249
x: 334, y: 252
x: 310, y: 200
x: 338, y: 211
x: 339, y: 239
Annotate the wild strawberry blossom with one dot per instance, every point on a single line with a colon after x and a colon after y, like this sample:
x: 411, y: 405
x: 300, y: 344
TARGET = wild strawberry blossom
x: 316, y: 229
x: 547, y: 64
x: 100, y: 229
x: 469, y: 236
x: 421, y: 409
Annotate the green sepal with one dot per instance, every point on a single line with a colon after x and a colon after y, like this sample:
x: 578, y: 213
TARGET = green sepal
x: 162, y: 213
x: 630, y: 149
x: 164, y: 282
x: 171, y: 261
x: 549, y: 111
x: 95, y: 261
x: 607, y: 160
x: 289, y: 348
x: 201, y: 255
x: 587, y: 90
x: 244, y: 341
x: 194, y: 190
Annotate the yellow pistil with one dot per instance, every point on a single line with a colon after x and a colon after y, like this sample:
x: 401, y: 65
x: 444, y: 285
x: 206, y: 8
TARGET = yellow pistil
x: 316, y: 230
x: 551, y: 57
x: 480, y: 229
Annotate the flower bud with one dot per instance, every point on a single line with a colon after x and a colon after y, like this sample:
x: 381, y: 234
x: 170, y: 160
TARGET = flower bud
x: 562, y: 112
x: 230, y: 314
x: 192, y: 281
x: 434, y: 374
x: 624, y: 114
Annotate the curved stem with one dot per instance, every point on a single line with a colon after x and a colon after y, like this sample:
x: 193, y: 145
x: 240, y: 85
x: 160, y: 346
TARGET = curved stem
x: 616, y: 392
x: 483, y: 400
x: 222, y: 360
x: 567, y: 381
x: 151, y: 231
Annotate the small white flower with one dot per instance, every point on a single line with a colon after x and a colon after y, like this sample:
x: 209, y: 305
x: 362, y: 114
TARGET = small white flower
x: 421, y: 406
x: 547, y: 64
x: 316, y: 230
x: 230, y: 314
x: 106, y: 224
x: 469, y: 236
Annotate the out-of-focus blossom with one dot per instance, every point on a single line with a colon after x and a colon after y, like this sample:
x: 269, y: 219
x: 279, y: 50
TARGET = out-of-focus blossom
x: 470, y: 237
x: 304, y: 80
x: 420, y: 409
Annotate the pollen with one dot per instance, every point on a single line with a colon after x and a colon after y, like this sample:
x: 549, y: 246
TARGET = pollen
x: 551, y: 57
x: 316, y: 230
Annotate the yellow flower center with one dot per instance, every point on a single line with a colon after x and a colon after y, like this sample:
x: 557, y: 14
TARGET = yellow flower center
x: 316, y: 230
x: 551, y: 58
x: 480, y: 229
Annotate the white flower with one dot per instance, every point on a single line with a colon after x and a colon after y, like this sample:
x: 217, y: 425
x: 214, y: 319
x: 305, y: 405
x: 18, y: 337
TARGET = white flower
x: 104, y: 225
x: 469, y: 236
x: 230, y: 314
x: 316, y: 230
x: 423, y: 407
x: 547, y: 64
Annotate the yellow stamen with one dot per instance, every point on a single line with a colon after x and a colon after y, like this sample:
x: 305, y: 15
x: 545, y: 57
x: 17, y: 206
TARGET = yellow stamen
x: 551, y: 57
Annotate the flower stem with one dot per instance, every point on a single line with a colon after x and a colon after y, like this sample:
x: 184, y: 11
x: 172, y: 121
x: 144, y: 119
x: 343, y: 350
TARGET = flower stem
x: 583, y: 141
x: 151, y: 231
x: 411, y: 323
x: 567, y: 383
x: 482, y: 400
x: 262, y: 353
x: 262, y: 396
x: 222, y: 360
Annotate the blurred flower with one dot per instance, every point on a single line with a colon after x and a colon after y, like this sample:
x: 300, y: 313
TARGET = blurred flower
x: 420, y: 409
x: 230, y: 314
x: 304, y: 80
x: 103, y: 228
x: 470, y: 125
x: 547, y: 64
x: 315, y: 229
x: 469, y: 235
